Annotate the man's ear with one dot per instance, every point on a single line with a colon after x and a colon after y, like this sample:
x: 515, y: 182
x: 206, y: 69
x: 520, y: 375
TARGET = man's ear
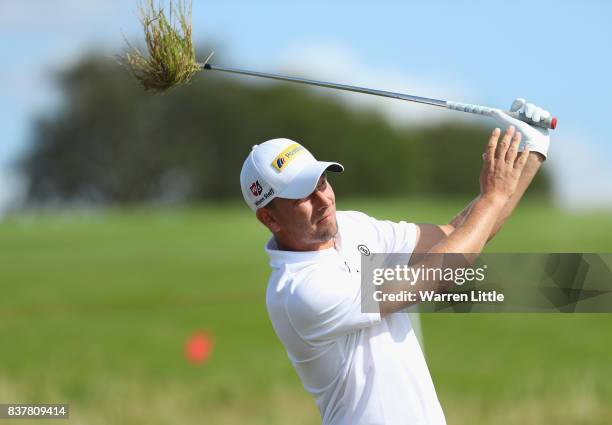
x: 267, y: 218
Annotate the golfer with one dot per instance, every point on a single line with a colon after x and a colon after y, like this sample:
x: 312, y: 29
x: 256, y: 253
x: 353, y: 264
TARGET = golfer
x: 367, y: 368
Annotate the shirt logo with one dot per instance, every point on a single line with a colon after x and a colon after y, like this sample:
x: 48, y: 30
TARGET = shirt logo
x: 256, y: 188
x: 286, y: 156
x: 364, y: 250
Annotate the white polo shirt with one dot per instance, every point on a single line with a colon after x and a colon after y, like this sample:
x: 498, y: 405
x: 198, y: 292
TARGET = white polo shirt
x: 361, y: 368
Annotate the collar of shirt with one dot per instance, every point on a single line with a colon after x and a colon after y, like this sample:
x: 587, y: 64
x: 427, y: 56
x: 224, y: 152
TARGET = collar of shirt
x: 278, y: 257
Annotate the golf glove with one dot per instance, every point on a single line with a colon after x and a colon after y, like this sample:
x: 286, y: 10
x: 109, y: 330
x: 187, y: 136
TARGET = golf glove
x: 536, y: 139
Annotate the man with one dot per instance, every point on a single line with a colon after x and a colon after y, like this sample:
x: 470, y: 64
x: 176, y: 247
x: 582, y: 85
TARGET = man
x: 366, y: 368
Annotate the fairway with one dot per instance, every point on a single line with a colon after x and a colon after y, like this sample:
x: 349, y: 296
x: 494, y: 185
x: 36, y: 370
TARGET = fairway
x: 96, y: 308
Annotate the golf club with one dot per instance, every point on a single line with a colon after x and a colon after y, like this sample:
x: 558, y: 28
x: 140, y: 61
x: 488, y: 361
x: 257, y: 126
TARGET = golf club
x: 549, y: 122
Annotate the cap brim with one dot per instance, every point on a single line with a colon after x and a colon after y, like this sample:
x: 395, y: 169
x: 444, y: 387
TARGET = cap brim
x: 305, y: 182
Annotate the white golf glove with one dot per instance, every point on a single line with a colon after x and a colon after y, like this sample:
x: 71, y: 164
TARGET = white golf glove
x: 537, y: 139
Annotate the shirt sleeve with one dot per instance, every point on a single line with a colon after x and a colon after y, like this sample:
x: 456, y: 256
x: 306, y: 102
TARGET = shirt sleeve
x: 396, y: 237
x: 327, y: 304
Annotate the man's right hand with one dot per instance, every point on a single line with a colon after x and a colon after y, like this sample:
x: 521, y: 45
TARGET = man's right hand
x: 502, y: 166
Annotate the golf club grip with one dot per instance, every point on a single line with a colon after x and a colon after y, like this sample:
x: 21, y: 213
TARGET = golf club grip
x: 550, y: 122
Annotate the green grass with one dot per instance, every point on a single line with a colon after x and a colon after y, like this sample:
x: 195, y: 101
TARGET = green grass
x: 95, y: 310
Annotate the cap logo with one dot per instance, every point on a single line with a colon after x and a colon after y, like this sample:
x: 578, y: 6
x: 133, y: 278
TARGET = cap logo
x: 265, y: 196
x: 256, y: 188
x: 286, y: 156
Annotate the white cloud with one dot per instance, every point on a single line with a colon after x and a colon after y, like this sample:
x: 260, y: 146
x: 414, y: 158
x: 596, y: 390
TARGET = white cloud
x: 336, y: 63
x: 44, y: 14
x: 581, y: 176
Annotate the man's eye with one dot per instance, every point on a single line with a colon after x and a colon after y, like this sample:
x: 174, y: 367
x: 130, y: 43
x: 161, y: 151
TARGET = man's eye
x: 323, y: 185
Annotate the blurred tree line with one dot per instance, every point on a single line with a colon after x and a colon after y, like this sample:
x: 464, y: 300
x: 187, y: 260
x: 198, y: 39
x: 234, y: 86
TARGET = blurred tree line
x: 110, y: 142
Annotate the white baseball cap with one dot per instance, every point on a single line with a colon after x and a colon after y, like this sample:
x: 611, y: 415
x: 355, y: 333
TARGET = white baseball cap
x: 281, y: 168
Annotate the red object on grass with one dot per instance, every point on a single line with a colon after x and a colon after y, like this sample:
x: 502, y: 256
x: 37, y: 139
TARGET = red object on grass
x: 198, y: 348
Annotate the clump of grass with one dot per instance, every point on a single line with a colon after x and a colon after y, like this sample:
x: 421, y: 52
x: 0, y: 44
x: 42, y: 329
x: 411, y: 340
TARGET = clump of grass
x: 171, y: 58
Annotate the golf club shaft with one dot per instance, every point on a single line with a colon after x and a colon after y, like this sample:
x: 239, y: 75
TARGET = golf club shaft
x: 457, y: 106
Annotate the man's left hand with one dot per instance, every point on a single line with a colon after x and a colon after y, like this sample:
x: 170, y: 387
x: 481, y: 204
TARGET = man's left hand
x: 537, y: 139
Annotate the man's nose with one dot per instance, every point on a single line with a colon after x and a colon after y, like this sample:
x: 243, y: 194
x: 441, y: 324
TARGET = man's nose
x: 322, y: 200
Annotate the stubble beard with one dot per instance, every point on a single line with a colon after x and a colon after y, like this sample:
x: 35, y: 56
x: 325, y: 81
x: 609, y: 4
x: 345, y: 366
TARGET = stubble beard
x: 327, y: 232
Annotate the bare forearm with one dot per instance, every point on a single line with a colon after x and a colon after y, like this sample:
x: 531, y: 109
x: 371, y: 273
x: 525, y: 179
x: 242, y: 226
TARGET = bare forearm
x: 467, y: 240
x: 534, y: 162
x: 474, y: 228
x: 467, y: 233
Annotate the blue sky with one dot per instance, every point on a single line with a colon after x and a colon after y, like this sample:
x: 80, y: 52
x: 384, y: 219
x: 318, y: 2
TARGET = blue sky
x: 556, y: 54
